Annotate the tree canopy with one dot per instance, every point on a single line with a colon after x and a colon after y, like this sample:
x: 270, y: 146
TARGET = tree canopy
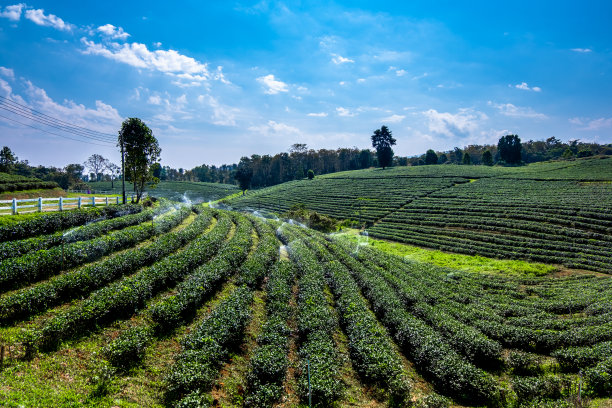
x: 382, y: 140
x: 431, y: 157
x: 244, y: 174
x: 7, y: 160
x: 141, y: 151
x: 509, y: 148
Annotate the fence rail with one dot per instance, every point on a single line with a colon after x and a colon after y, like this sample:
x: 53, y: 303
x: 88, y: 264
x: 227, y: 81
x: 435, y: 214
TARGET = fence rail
x: 40, y: 204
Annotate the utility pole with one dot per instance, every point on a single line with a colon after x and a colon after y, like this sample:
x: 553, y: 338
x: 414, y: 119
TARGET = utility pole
x: 123, y: 171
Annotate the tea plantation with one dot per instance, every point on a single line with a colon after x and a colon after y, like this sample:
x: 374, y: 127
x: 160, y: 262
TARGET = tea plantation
x: 189, y: 306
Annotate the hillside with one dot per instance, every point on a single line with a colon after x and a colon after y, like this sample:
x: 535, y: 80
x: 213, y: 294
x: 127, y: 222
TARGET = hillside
x: 191, y: 306
x: 12, y: 183
x: 176, y: 190
x: 553, y: 212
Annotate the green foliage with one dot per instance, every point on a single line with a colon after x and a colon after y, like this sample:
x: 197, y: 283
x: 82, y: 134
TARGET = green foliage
x: 310, y: 174
x: 509, y: 148
x: 431, y: 157
x: 487, y: 158
x: 467, y: 160
x: 382, y: 140
x: 141, y: 151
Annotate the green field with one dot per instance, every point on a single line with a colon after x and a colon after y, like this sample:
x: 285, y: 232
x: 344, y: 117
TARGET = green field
x: 176, y: 190
x: 182, y: 306
x: 555, y: 212
x: 12, y: 182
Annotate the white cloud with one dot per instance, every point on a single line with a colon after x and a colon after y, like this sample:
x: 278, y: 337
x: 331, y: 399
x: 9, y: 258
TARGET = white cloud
x: 274, y: 86
x: 344, y: 112
x: 7, y: 73
x: 182, y: 100
x: 361, y: 80
x: 591, y: 124
x: 113, y: 32
x: 394, y: 118
x: 401, y: 72
x: 154, y: 100
x: 13, y: 12
x: 525, y: 87
x: 273, y: 128
x: 169, y: 62
x: 462, y: 124
x: 508, y: 109
x: 417, y: 77
x: 38, y: 17
x: 157, y: 44
x: 318, y: 114
x: 339, y: 59
x: 221, y: 115
x: 582, y: 50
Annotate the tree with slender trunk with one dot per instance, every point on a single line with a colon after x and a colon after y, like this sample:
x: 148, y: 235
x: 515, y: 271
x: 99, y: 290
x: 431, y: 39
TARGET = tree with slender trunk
x: 382, y: 140
x: 140, y: 151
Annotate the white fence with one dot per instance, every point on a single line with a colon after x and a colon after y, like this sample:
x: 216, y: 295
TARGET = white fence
x: 15, y: 206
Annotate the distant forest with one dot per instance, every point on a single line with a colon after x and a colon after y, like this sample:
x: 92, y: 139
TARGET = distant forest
x: 270, y: 170
x: 294, y: 165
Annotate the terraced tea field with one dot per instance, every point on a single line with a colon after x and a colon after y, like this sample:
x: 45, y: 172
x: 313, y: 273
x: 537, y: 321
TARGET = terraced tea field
x: 558, y: 212
x: 190, y: 306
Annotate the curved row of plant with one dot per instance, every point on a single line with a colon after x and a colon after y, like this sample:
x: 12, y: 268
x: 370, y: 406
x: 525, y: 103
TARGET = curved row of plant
x: 172, y: 311
x: 50, y: 223
x: 269, y: 361
x: 371, y: 348
x: 316, y: 324
x: 92, y: 229
x: 81, y: 282
x: 34, y: 266
x: 123, y: 297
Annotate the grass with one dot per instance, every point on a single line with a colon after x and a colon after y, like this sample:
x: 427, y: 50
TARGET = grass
x: 470, y: 263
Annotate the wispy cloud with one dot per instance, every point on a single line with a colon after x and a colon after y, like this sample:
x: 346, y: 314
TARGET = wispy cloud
x: 7, y: 73
x: 582, y: 50
x: 339, y: 59
x: 318, y: 114
x: 221, y: 115
x: 344, y: 112
x: 461, y: 124
x: 113, y: 32
x: 508, y: 109
x: 591, y: 124
x: 169, y: 62
x: 394, y: 118
x: 523, y: 86
x: 273, y: 85
x: 13, y: 12
x: 273, y: 128
x: 39, y: 17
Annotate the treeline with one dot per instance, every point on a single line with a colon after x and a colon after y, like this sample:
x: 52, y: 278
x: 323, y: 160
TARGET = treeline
x: 271, y: 170
x: 530, y: 152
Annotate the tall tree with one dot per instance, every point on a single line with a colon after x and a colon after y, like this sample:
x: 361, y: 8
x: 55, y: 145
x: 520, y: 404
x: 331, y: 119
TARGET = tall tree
x: 114, y: 171
x: 509, y: 148
x: 382, y: 140
x: 244, y: 174
x: 467, y: 159
x: 141, y: 151
x: 7, y: 160
x: 96, y: 164
x: 487, y: 158
x: 431, y: 157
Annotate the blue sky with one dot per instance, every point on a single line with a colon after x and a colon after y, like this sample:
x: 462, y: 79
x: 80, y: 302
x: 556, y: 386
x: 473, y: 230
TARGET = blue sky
x: 217, y: 80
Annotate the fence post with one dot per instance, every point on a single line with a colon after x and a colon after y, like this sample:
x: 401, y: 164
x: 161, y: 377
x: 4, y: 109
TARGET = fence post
x: 93, y: 201
x: 14, y: 206
x: 117, y: 200
x: 106, y: 201
x: 39, y: 204
x: 61, y: 204
x: 79, y: 203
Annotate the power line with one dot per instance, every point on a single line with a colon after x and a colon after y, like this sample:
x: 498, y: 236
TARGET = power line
x: 56, y: 134
x: 43, y: 119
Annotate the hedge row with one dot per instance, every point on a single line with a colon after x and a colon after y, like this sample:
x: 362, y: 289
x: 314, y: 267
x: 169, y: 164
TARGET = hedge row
x: 11, y: 249
x: 574, y: 359
x: 33, y: 266
x: 82, y: 281
x: 172, y: 310
x: 316, y: 324
x: 122, y: 298
x: 27, y: 185
x: 49, y: 223
x: 206, y: 347
x: 446, y: 369
x: 269, y: 361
